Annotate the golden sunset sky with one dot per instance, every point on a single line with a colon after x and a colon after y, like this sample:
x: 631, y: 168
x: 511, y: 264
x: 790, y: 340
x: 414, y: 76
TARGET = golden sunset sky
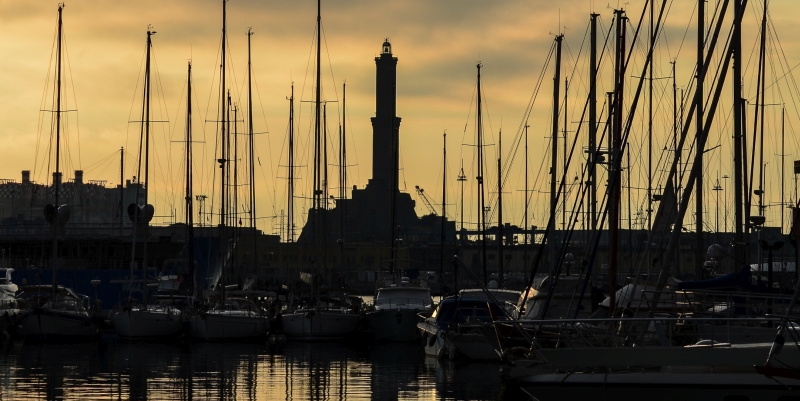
x: 438, y: 44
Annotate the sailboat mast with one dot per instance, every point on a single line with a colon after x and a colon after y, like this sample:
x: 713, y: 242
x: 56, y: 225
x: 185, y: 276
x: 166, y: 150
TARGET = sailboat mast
x: 616, y: 156
x: 317, y: 131
x: 699, y: 93
x: 526, y: 235
x: 233, y: 176
x: 564, y: 160
x: 57, y: 176
x: 235, y: 221
x: 290, y: 196
x: 343, y: 176
x: 147, y: 120
x: 318, y: 215
x: 147, y: 188
x: 481, y: 199
x: 444, y: 207
x: 324, y: 147
x: 223, y: 128
x: 675, y: 121
x: 500, y: 266
x: 738, y: 132
x: 462, y: 178
x: 592, y: 127
x: 252, y: 153
x: 551, y: 238
x: 121, y: 187
x: 189, y: 203
x: 649, y: 136
x: 762, y: 83
x: 223, y: 243
x: 342, y: 147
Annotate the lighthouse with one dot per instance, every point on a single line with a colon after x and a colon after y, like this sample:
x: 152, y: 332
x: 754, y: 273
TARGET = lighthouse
x: 379, y: 212
x: 385, y: 124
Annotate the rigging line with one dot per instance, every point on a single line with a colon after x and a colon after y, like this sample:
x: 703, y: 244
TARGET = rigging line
x: 42, y: 106
x: 205, y: 183
x: 574, y: 59
x: 167, y: 177
x: 752, y: 54
x: 791, y: 82
x: 232, y: 69
x: 220, y: 106
x: 354, y: 149
x: 304, y: 147
x: 74, y: 99
x: 133, y: 102
x: 488, y: 118
x: 270, y: 198
x: 666, y: 40
x: 775, y: 81
x: 516, y: 141
x: 686, y: 32
x: 269, y: 142
x: 330, y: 64
x: 608, y: 35
x: 507, y: 166
x: 469, y: 114
x: 102, y: 161
x: 776, y: 45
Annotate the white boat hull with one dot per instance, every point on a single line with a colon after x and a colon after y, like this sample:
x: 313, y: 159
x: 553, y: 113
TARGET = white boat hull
x: 46, y: 323
x: 143, y: 323
x: 434, y: 341
x: 397, y: 325
x: 318, y: 325
x: 228, y: 325
x: 472, y: 345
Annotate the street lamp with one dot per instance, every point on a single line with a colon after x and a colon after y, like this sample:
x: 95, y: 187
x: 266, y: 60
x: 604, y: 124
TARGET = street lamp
x: 725, y: 201
x: 716, y: 189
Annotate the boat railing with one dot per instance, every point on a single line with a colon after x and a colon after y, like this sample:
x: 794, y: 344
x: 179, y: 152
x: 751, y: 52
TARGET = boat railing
x: 8, y: 304
x: 403, y: 303
x: 659, y: 330
x: 709, y: 303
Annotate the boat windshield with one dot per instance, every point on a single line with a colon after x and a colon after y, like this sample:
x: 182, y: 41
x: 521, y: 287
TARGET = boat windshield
x: 403, y: 296
x: 459, y: 311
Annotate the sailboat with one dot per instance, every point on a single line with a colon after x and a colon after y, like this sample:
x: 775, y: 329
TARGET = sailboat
x: 697, y: 346
x: 229, y: 317
x: 325, y: 319
x: 147, y: 320
x: 56, y: 311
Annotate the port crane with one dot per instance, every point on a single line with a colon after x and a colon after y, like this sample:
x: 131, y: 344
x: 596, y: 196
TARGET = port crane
x: 425, y: 200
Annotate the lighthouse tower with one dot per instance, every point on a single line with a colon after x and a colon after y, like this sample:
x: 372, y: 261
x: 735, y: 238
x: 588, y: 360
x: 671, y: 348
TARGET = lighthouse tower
x: 385, y: 124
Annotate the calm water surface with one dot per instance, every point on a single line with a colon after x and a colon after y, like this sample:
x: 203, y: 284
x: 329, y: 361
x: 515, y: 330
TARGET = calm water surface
x: 120, y: 371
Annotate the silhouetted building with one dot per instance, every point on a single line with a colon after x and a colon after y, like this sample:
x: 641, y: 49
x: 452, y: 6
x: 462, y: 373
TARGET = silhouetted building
x: 367, y: 215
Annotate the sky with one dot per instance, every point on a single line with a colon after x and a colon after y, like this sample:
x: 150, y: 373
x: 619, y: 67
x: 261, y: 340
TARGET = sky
x: 438, y: 44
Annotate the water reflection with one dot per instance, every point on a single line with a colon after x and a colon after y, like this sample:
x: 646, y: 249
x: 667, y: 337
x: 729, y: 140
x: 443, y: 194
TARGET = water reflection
x: 233, y: 371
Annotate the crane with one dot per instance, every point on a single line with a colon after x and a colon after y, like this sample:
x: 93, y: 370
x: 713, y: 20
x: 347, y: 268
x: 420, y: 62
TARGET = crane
x: 425, y: 200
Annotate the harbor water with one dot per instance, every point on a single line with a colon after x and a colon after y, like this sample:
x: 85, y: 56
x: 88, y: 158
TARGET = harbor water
x: 235, y: 371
